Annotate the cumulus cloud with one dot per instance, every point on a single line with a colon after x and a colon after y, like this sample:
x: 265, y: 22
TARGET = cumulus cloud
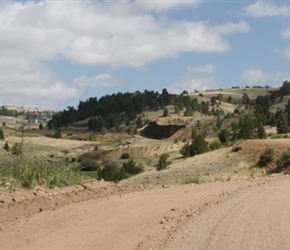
x: 286, y: 33
x: 258, y: 76
x: 287, y: 52
x: 103, y: 80
x: 197, y: 78
x: 206, y: 69
x: 90, y: 33
x: 28, y: 83
x: 161, y: 6
x: 263, y: 8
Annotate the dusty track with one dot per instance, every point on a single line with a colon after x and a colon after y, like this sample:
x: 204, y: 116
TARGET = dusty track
x: 251, y: 214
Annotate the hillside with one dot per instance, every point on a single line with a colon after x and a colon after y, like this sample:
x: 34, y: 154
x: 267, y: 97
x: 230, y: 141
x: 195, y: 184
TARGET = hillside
x: 213, y: 199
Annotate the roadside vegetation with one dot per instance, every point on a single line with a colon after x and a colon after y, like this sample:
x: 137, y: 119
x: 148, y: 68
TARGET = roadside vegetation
x: 98, y: 119
x: 20, y: 172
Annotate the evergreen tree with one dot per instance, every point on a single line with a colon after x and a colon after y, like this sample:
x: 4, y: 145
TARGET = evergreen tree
x: 261, y: 131
x: 198, y: 145
x: 2, y: 137
x: 165, y: 112
x: 224, y: 135
x: 282, y: 124
x: 247, y: 126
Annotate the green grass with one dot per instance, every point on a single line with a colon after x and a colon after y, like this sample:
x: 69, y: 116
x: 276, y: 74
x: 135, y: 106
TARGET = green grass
x: 90, y: 174
x: 30, y: 173
x: 194, y: 180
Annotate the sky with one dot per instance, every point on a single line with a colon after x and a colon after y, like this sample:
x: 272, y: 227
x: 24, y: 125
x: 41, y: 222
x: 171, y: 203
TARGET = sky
x: 55, y: 53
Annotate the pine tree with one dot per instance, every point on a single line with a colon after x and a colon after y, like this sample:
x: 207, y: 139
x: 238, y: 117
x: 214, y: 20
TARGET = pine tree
x: 2, y: 137
x: 282, y: 124
x: 261, y: 131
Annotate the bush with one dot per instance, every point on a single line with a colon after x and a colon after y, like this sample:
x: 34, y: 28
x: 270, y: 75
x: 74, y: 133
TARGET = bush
x: 113, y: 173
x: 17, y: 148
x: 132, y: 168
x: 2, y: 137
x: 266, y: 157
x: 162, y: 162
x: 215, y: 145
x: 125, y: 156
x: 284, y: 160
x: 194, y: 180
x: 30, y: 173
x: 88, y: 165
x: 197, y: 146
x: 224, y: 135
x: 6, y: 146
x: 57, y: 135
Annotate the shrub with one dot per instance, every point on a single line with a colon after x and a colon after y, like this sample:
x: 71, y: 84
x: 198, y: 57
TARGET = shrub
x: 284, y: 160
x: 6, y: 146
x: 266, y: 157
x: 197, y: 146
x: 30, y: 173
x: 224, y: 135
x: 88, y: 165
x: 17, y: 148
x: 194, y: 180
x: 65, y: 151
x: 2, y: 137
x: 162, y: 162
x: 215, y: 145
x: 113, y: 173
x: 185, y: 150
x: 57, y: 135
x: 125, y: 156
x: 132, y: 168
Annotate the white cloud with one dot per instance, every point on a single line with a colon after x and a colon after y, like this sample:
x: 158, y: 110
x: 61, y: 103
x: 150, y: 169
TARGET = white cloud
x: 93, y: 33
x: 103, y: 80
x: 258, y: 76
x: 263, y: 8
x: 206, y: 69
x: 161, y: 6
x: 27, y: 83
x: 286, y: 33
x: 197, y: 78
x: 287, y: 52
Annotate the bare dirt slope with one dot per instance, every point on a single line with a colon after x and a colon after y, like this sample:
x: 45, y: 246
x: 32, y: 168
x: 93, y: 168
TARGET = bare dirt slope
x: 248, y: 214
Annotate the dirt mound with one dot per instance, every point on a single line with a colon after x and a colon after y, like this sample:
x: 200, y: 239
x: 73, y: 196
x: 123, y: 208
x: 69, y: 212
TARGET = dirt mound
x: 252, y: 149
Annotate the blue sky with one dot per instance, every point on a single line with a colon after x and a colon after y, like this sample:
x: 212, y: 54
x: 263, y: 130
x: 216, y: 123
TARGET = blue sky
x: 55, y: 53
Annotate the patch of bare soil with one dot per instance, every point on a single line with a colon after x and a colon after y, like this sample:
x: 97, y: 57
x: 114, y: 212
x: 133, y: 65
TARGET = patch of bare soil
x: 252, y: 149
x: 246, y: 214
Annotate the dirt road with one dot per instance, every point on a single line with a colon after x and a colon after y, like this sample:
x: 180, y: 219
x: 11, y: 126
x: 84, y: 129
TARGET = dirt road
x: 252, y: 214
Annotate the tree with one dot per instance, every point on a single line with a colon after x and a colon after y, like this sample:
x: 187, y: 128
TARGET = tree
x: 6, y: 146
x: 198, y: 146
x: 282, y: 124
x: 246, y: 99
x: 40, y: 126
x: 224, y: 135
x: 2, y: 137
x: 165, y: 112
x: 193, y: 133
x: 261, y: 131
x: 176, y: 109
x: 162, y: 162
x: 247, y: 126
